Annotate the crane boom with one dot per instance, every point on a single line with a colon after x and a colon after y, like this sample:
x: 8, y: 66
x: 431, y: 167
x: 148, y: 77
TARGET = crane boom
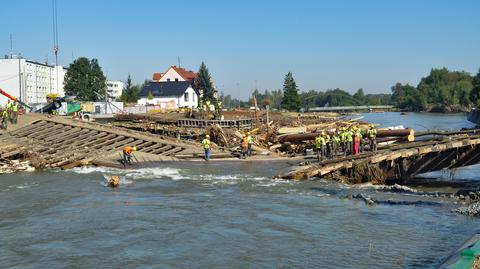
x: 13, y: 98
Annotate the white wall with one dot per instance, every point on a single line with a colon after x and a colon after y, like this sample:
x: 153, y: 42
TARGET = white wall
x: 115, y: 88
x: 35, y: 80
x: 9, y: 78
x: 166, y: 102
x: 192, y: 99
x: 171, y: 75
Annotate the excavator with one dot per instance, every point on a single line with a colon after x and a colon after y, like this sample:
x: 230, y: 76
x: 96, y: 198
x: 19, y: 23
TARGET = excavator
x: 49, y: 108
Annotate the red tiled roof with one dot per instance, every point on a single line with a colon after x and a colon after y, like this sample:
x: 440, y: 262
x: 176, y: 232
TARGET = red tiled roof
x: 185, y: 74
x: 157, y: 76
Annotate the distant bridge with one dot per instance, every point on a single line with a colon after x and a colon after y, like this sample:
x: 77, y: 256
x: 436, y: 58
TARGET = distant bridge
x: 348, y: 108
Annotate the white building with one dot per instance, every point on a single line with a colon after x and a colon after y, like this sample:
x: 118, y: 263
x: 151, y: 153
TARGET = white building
x: 30, y: 81
x: 115, y: 89
x: 169, y: 95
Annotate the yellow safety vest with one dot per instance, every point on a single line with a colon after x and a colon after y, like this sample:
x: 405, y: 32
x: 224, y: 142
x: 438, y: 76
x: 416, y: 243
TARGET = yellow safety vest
x: 206, y: 143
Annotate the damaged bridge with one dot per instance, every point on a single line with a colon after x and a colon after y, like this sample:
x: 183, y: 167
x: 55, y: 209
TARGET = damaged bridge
x: 66, y: 143
x: 397, y: 164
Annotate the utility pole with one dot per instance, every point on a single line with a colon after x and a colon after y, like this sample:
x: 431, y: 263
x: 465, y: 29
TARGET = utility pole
x: 55, y: 40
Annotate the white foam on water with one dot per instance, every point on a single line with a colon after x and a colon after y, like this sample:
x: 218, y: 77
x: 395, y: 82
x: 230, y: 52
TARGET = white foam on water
x: 211, y: 180
x: 147, y: 173
x: 134, y: 174
x: 94, y: 169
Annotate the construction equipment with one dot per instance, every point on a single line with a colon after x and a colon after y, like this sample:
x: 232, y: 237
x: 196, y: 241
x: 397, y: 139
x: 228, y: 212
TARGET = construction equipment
x: 13, y: 98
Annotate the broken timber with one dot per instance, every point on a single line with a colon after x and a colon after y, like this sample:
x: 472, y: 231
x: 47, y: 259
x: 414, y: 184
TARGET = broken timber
x: 66, y: 143
x: 402, y: 162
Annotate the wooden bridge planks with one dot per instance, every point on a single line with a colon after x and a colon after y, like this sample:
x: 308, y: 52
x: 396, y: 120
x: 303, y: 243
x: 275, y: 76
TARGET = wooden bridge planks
x: 426, y: 156
x: 61, y: 142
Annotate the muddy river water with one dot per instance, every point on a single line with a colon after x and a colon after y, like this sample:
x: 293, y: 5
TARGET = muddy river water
x: 223, y: 215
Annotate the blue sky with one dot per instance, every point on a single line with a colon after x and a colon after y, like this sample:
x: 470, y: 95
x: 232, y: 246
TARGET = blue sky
x: 369, y: 44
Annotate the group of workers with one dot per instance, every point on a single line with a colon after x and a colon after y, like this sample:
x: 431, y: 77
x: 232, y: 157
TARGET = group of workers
x: 350, y: 141
x: 9, y: 114
x: 214, y: 107
x: 246, y: 145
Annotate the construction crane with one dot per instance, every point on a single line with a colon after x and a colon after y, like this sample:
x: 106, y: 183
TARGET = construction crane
x: 13, y: 98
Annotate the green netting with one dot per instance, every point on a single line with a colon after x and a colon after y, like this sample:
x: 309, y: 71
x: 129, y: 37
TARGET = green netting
x: 467, y: 257
x: 73, y: 107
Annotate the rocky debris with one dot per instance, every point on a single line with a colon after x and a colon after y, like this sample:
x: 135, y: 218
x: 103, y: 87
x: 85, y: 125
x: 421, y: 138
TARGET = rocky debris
x: 470, y: 210
x: 13, y: 166
x: 468, y: 195
x: 368, y: 201
x: 399, y: 188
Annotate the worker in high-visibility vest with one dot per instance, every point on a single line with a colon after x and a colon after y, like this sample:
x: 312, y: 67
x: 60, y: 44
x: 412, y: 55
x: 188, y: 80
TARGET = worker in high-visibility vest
x: 320, y: 146
x: 14, y: 109
x: 328, y: 148
x: 4, y: 118
x: 206, y: 147
x: 335, y: 142
x: 8, y: 108
x: 244, y: 147
x: 207, y: 105
x: 360, y: 137
x: 127, y: 154
x: 372, y: 137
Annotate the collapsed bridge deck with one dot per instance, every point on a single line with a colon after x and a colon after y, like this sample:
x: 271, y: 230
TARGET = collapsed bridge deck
x: 66, y: 143
x: 398, y: 163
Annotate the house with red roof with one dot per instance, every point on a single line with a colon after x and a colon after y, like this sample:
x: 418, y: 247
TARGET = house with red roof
x: 174, y: 73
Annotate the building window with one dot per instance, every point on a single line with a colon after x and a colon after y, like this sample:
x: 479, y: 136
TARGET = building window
x: 176, y: 79
x: 185, y: 98
x: 168, y: 79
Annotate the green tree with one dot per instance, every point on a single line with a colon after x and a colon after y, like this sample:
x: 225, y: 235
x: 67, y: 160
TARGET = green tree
x: 85, y: 80
x: 203, y: 84
x: 150, y: 95
x: 446, y: 89
x: 360, y: 97
x: 131, y: 92
x: 408, y: 97
x: 291, y: 99
x: 475, y: 93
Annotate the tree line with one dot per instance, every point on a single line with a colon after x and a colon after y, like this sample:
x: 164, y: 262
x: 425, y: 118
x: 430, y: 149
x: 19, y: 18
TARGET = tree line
x: 441, y: 91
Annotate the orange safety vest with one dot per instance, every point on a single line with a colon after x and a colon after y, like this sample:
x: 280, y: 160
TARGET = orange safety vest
x: 245, y: 143
x: 128, y: 150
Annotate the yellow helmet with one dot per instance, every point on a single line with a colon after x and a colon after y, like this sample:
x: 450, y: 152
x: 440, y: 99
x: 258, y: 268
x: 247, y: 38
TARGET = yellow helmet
x: 207, y: 136
x: 134, y: 148
x: 371, y: 125
x: 344, y: 128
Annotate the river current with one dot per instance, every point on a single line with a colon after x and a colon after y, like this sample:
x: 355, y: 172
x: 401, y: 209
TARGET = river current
x: 223, y: 215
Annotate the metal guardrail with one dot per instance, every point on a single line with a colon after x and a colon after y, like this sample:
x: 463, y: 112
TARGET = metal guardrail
x: 195, y: 123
